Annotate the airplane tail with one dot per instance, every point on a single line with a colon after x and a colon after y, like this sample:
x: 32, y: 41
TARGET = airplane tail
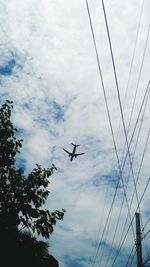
x: 75, y: 145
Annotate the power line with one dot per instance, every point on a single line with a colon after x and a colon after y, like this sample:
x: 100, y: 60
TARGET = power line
x: 146, y: 95
x: 117, y: 86
x: 133, y: 56
x: 146, y: 234
x: 130, y: 260
x: 118, y: 93
x: 106, y: 98
x: 139, y: 75
x: 131, y: 199
x: 145, y: 99
x: 146, y: 224
x: 142, y: 155
x: 146, y: 42
x: 93, y: 260
x: 129, y: 75
x: 148, y: 258
x: 112, y: 133
x: 107, y: 231
x: 131, y: 65
x: 120, y: 104
x: 121, y: 239
x: 130, y: 223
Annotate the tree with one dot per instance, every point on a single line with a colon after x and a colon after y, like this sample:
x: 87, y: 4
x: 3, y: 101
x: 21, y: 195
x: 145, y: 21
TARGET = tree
x: 22, y: 197
x: 31, y: 252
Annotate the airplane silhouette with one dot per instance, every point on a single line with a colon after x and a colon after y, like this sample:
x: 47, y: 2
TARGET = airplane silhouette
x: 73, y: 154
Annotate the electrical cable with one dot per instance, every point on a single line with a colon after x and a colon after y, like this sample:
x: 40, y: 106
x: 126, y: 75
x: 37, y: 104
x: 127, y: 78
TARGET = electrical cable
x: 146, y: 234
x: 108, y: 113
x: 119, y: 98
x: 132, y: 258
x: 148, y: 87
x: 146, y: 95
x: 121, y: 239
x: 146, y: 224
x: 145, y: 47
x: 131, y: 65
x: 137, y: 86
x: 117, y: 86
x: 146, y: 260
x: 92, y: 260
x: 130, y: 223
x: 105, y: 95
x: 135, y: 44
x: 129, y: 258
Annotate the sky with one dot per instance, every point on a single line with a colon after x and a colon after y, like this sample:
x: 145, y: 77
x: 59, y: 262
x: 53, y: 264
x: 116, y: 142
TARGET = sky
x: 49, y: 69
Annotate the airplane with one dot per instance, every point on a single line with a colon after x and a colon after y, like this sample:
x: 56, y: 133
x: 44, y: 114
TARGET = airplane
x: 73, y: 154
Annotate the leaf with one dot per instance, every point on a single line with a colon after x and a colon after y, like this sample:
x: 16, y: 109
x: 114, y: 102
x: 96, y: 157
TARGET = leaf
x: 33, y: 213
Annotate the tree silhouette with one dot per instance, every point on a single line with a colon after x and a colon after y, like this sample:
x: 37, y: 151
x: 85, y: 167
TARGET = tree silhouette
x: 22, y: 197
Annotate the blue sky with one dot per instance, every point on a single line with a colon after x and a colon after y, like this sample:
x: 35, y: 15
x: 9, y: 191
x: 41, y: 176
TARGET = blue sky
x: 48, y: 68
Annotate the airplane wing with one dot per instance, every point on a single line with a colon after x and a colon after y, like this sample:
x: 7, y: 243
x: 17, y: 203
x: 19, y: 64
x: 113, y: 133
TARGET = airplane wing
x: 66, y: 151
x: 78, y: 154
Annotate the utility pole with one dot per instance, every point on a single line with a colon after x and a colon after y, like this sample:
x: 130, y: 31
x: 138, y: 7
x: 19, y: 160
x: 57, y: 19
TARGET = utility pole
x: 138, y: 241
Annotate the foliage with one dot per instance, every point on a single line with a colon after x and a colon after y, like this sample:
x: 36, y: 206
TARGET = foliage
x: 25, y: 251
x: 22, y: 197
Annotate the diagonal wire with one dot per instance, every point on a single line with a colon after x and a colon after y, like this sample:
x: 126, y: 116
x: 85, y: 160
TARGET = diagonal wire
x: 146, y: 224
x: 129, y: 258
x: 106, y: 193
x: 117, y: 86
x: 146, y: 234
x: 132, y: 258
x: 139, y: 77
x: 121, y: 240
x: 145, y: 47
x: 120, y: 104
x: 133, y: 56
x: 108, y: 113
x: 148, y: 258
x: 120, y: 101
x: 147, y: 92
x: 131, y: 66
x: 107, y: 230
x: 143, y: 232
x: 142, y: 156
x: 146, y: 95
x: 130, y: 223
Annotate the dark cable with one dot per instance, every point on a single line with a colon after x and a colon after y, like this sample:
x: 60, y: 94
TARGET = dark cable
x: 146, y: 234
x: 130, y: 223
x: 120, y: 104
x: 146, y: 224
x: 129, y: 258
x: 146, y: 94
x: 108, y: 113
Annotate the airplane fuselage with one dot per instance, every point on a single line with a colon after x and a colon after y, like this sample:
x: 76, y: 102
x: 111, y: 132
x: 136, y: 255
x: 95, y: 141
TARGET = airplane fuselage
x: 73, y: 153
